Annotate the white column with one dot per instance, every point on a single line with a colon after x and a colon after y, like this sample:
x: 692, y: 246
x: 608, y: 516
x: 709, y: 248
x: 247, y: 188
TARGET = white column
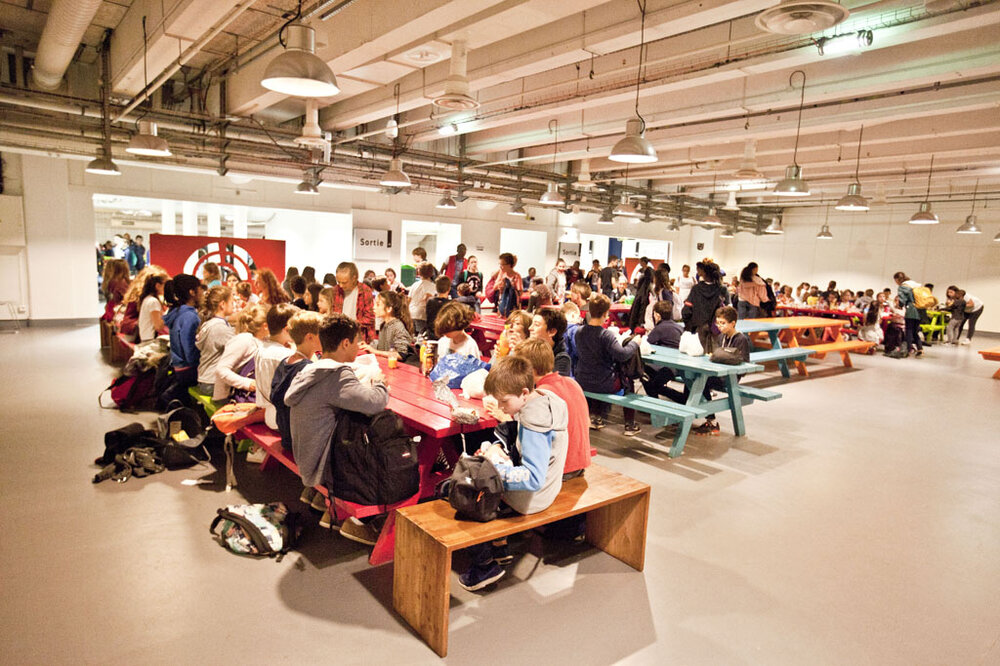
x: 214, y: 220
x: 189, y: 218
x: 168, y: 216
x: 240, y: 214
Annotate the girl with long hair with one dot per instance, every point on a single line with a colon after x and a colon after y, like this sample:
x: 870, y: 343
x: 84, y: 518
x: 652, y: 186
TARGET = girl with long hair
x: 269, y: 289
x: 395, y: 337
x: 213, y: 334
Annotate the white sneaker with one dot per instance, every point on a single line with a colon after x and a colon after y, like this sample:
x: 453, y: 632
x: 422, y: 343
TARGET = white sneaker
x: 256, y: 455
x: 965, y: 341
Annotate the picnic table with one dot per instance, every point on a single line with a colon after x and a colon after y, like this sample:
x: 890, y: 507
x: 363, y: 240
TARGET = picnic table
x: 801, y: 331
x: 618, y: 314
x: 854, y: 317
x: 775, y: 352
x: 486, y: 331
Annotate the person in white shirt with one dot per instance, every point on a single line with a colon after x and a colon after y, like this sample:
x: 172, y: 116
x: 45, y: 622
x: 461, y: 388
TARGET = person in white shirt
x: 556, y: 282
x: 271, y: 352
x: 450, y: 325
x: 973, y: 309
x: 151, y: 308
x: 231, y: 372
x: 420, y: 293
x: 213, y: 334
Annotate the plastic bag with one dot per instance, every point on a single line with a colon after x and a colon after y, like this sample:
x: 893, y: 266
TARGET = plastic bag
x: 444, y: 394
x: 472, y: 384
x: 690, y: 344
x: 456, y: 367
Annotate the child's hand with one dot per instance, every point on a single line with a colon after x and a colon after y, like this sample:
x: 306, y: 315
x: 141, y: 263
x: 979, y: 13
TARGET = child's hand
x: 496, y: 455
x: 492, y: 408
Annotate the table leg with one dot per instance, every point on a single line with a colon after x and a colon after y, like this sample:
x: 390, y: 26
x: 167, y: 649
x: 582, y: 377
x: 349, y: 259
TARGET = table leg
x: 420, y: 585
x: 427, y: 452
x: 695, y: 389
x: 735, y: 404
x: 619, y: 529
x: 799, y: 365
x: 683, y: 430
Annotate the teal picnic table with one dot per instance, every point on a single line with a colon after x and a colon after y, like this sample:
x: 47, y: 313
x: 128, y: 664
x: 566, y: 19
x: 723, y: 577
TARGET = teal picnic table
x: 777, y: 353
x: 694, y: 371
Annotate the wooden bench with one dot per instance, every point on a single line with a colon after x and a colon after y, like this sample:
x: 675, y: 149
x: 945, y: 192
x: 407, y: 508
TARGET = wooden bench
x: 121, y: 348
x: 991, y: 355
x: 661, y: 412
x: 270, y: 442
x: 781, y: 356
x: 427, y: 534
x: 204, y: 400
x: 843, y: 347
x: 754, y: 393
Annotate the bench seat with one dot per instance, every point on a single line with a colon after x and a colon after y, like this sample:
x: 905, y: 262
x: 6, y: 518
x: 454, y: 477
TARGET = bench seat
x: 661, y: 413
x: 842, y: 347
x: 121, y: 348
x: 781, y: 356
x: 758, y: 393
x: 991, y: 355
x: 428, y: 534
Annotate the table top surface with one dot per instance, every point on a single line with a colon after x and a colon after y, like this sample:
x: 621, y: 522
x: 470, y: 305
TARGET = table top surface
x: 760, y: 326
x: 803, y: 322
x: 673, y: 358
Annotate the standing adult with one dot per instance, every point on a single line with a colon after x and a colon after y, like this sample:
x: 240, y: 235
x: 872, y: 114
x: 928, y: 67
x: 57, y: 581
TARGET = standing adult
x: 609, y: 276
x: 354, y: 299
x: 472, y: 277
x: 455, y: 264
x: 505, y: 286
x: 138, y: 251
x: 641, y: 269
x: 904, y: 292
x: 973, y: 310
x: 556, y: 282
x: 594, y: 277
x: 286, y: 284
x: 751, y: 291
x: 573, y: 273
x: 641, y: 312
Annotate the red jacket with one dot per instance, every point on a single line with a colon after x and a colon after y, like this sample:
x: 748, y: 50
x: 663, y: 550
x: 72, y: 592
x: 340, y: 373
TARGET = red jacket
x: 449, y: 267
x: 365, y: 312
x: 578, y: 426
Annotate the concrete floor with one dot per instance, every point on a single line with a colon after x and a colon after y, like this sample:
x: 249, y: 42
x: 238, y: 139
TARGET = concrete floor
x: 858, y: 522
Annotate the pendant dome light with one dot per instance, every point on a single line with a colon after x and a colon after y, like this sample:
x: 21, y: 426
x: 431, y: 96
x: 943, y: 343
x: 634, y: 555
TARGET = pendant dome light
x: 853, y: 201
x: 728, y: 232
x: 711, y: 220
x: 395, y: 176
x: 146, y: 142
x: 517, y: 208
x: 298, y: 71
x: 583, y: 178
x: 104, y: 165
x: 635, y: 148
x: 625, y: 208
x: 308, y: 185
x: 924, y: 215
x: 824, y: 233
x: 996, y: 239
x: 731, y: 203
x: 552, y: 196
x: 607, y: 217
x: 775, y: 227
x: 446, y: 202
x: 970, y: 226
x: 793, y: 185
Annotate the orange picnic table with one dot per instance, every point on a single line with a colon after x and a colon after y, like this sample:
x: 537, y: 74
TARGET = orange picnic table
x: 803, y: 331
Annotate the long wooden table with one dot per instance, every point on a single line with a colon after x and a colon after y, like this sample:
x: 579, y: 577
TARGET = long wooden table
x: 802, y: 332
x: 991, y: 355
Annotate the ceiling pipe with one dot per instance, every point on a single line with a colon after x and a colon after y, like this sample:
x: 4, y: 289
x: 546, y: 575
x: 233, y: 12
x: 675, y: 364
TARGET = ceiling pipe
x: 67, y: 22
x: 186, y: 56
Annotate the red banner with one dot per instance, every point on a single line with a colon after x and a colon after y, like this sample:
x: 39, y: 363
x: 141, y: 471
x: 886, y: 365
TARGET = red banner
x: 187, y: 254
x: 631, y: 263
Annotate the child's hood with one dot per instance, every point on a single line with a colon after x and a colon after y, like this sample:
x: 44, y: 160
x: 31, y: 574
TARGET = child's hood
x: 323, y: 370
x: 544, y: 413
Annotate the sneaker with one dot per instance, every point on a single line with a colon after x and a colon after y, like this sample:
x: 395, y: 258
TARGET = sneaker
x: 920, y: 352
x: 965, y: 341
x: 501, y: 555
x: 355, y: 530
x: 318, y: 501
x: 707, y: 428
x: 479, y: 577
x: 256, y: 455
x: 631, y: 429
x: 328, y: 523
x: 596, y: 423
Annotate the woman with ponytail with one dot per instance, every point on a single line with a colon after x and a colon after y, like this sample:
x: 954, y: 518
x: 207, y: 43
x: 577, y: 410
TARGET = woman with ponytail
x: 234, y: 373
x: 184, y: 292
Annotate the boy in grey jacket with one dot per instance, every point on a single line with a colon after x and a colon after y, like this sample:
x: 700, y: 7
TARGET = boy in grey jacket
x: 532, y: 485
x: 315, y: 399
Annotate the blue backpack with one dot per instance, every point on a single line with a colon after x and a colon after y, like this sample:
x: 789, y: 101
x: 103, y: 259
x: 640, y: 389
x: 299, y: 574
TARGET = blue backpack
x: 570, y: 339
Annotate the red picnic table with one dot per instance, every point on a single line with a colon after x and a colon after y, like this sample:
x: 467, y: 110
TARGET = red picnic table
x: 486, y: 331
x: 411, y: 396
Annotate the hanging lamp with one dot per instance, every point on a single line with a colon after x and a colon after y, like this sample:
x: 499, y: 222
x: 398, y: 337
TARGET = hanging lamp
x: 103, y: 165
x: 625, y: 208
x: 731, y: 203
x: 606, y: 217
x: 853, y: 201
x: 297, y: 71
x: 552, y: 196
x: 775, y: 227
x: 824, y: 233
x: 924, y: 214
x: 970, y: 226
x: 446, y: 202
x: 635, y: 148
x: 146, y: 142
x: 517, y: 208
x: 395, y: 176
x: 712, y: 219
x: 793, y: 185
x: 728, y: 232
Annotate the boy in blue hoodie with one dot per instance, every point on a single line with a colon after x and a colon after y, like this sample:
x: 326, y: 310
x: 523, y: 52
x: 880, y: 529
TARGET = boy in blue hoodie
x: 532, y: 485
x: 183, y: 321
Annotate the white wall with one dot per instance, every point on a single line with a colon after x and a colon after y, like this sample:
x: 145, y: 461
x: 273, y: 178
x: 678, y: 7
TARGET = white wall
x: 867, y: 248
x: 313, y: 238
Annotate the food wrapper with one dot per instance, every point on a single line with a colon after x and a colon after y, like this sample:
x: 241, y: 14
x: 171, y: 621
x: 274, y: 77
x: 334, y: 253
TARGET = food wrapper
x: 444, y: 394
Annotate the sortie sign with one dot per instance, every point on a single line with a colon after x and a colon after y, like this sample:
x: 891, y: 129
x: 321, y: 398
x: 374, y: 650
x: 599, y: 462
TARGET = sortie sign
x: 372, y: 244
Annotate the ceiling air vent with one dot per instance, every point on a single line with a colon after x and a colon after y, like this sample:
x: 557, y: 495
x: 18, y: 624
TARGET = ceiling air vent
x: 312, y: 134
x: 456, y: 88
x: 797, y: 17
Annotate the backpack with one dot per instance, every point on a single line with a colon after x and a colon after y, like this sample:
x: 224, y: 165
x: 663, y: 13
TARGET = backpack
x: 923, y: 298
x: 475, y: 489
x: 258, y: 530
x: 373, y: 460
x: 130, y: 393
x: 630, y: 370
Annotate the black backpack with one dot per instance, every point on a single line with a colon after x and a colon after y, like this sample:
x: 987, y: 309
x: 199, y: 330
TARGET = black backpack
x: 475, y: 489
x: 630, y: 370
x: 373, y: 460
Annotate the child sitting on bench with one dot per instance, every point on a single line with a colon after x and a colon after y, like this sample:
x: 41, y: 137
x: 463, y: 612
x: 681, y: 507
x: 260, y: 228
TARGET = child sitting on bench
x: 533, y: 485
x: 667, y: 333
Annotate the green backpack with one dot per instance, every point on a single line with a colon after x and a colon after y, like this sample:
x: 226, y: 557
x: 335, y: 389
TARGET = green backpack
x: 259, y: 530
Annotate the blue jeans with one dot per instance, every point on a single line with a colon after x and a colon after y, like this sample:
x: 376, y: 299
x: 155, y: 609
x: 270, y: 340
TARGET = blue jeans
x: 746, y: 311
